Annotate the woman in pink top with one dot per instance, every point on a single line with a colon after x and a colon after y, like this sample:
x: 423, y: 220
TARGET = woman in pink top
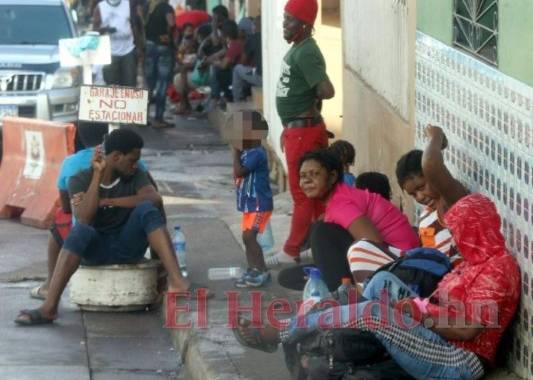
x: 361, y: 230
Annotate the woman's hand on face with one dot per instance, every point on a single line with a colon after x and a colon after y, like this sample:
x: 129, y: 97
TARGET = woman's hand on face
x: 432, y: 131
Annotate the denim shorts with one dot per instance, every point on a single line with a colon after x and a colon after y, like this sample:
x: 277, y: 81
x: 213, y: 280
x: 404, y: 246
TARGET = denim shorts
x: 124, y: 247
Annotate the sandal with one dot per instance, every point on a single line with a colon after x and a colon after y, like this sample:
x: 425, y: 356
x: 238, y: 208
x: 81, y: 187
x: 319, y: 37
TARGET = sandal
x: 194, y: 291
x: 35, y: 318
x: 37, y: 293
x: 256, y: 340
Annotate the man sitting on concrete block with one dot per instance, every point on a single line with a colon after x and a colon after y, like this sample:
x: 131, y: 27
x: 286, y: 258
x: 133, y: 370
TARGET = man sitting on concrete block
x: 115, y: 207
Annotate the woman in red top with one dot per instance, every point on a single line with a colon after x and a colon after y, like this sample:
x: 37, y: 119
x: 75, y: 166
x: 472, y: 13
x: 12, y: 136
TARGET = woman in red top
x: 455, y: 334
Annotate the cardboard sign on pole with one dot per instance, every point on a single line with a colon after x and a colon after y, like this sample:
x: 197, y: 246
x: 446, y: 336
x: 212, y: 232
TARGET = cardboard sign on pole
x: 85, y: 51
x: 89, y: 50
x: 114, y: 105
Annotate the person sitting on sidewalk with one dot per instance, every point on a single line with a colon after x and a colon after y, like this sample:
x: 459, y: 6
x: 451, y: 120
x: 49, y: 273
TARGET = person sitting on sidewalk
x: 254, y: 196
x: 345, y: 152
x: 249, y: 72
x: 90, y: 134
x: 222, y: 69
x: 375, y: 183
x: 360, y: 231
x: 454, y: 334
x: 424, y: 176
x: 190, y: 76
x: 116, y: 218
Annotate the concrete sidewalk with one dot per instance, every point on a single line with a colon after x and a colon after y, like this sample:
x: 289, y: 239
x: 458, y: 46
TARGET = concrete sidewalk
x: 193, y: 170
x: 79, y: 345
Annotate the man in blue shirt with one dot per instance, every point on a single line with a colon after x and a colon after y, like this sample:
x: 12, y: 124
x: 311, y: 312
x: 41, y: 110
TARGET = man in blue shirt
x: 117, y: 219
x: 254, y: 196
x: 91, y: 135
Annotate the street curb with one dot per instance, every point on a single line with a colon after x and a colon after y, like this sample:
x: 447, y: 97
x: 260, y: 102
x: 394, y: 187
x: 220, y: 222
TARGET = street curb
x: 205, y: 353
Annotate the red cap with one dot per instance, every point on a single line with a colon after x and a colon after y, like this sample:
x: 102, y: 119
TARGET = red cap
x: 303, y: 10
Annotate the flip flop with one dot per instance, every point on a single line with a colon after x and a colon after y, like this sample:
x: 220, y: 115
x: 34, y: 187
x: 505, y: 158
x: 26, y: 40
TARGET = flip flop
x: 193, y: 291
x: 258, y: 343
x: 36, y: 293
x: 194, y: 287
x: 36, y: 318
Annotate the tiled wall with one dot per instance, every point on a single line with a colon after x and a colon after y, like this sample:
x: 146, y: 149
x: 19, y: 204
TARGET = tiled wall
x: 488, y: 119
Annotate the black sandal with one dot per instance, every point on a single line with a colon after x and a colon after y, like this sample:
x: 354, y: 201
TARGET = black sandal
x: 36, y: 317
x: 193, y: 291
x: 258, y: 342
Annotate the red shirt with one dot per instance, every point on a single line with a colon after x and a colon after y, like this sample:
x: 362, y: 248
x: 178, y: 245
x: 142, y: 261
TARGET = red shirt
x: 234, y: 51
x: 485, y: 288
x: 194, y: 17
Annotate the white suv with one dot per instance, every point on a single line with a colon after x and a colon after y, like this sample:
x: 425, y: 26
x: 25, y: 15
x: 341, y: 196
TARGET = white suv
x: 31, y: 82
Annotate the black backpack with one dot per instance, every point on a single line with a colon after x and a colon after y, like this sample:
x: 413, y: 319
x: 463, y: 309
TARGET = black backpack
x: 341, y: 354
x: 421, y: 269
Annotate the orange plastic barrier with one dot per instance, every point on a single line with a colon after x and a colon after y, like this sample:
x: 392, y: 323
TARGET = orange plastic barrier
x: 33, y: 153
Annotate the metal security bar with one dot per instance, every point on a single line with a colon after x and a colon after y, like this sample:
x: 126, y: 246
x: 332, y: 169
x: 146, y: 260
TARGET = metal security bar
x: 475, y: 28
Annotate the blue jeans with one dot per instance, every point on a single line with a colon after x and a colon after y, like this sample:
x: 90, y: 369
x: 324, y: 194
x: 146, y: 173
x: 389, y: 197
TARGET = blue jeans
x: 220, y: 82
x: 124, y: 247
x: 243, y: 78
x: 418, y: 350
x: 159, y: 63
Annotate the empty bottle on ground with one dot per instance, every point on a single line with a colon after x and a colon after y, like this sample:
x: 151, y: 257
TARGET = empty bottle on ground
x: 180, y: 246
x: 224, y: 273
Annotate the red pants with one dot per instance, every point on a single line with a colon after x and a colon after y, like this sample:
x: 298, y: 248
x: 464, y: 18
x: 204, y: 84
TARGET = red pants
x: 297, y: 142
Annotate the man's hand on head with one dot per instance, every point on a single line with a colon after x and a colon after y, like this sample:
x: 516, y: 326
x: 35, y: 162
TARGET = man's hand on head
x: 98, y: 162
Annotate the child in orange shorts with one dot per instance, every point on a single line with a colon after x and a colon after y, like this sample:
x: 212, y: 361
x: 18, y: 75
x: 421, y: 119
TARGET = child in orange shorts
x: 254, y: 195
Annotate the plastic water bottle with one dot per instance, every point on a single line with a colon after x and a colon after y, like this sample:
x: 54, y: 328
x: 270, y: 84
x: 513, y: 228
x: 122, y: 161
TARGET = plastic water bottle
x: 266, y: 239
x: 224, y: 273
x: 342, y: 294
x: 180, y: 246
x: 315, y: 290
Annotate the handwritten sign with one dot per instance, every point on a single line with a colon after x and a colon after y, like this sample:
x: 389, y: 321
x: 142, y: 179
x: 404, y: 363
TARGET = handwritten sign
x: 114, y: 105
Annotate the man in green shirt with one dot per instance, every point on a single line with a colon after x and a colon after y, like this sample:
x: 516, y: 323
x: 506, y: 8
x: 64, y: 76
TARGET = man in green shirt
x: 302, y: 86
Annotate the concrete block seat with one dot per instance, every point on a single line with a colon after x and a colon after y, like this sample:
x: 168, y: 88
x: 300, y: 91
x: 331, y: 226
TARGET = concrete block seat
x: 125, y: 287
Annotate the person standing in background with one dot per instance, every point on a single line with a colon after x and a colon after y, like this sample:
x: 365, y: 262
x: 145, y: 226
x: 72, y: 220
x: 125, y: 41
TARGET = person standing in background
x: 113, y: 17
x: 302, y: 86
x: 159, y: 60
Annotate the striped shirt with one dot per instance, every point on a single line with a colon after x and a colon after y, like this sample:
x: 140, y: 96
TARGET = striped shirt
x: 433, y: 234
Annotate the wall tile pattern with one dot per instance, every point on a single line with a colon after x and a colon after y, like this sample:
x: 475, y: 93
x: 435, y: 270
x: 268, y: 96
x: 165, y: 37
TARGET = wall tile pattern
x: 488, y: 119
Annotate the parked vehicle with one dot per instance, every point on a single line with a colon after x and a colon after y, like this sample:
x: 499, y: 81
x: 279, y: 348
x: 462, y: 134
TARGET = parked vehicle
x: 32, y: 84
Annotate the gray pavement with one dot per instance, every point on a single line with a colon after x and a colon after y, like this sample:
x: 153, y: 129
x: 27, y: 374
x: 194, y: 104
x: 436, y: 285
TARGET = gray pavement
x: 193, y: 170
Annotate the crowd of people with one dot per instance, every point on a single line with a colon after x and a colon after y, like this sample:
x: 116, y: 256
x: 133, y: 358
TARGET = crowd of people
x: 182, y: 54
x: 111, y: 210
x: 355, y: 231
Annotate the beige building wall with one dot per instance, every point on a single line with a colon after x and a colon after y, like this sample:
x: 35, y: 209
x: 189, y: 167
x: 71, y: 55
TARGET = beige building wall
x: 379, y: 77
x: 328, y: 34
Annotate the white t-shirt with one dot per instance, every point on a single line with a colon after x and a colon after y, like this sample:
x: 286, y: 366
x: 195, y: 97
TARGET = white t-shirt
x: 118, y: 17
